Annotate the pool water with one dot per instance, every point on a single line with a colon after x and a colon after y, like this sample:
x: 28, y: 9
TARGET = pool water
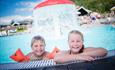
x: 101, y: 36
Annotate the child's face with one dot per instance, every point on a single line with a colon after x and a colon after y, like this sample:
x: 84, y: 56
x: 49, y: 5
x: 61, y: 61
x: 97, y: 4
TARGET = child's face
x: 38, y: 47
x: 75, y: 42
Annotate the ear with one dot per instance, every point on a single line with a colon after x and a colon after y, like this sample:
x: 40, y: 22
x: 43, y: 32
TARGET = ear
x: 31, y: 47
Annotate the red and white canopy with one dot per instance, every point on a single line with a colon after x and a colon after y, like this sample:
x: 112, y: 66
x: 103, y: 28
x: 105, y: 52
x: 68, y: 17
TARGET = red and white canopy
x: 53, y: 2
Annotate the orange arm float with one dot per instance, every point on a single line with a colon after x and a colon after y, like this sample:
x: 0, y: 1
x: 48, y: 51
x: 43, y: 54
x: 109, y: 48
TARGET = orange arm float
x: 52, y: 54
x: 19, y: 56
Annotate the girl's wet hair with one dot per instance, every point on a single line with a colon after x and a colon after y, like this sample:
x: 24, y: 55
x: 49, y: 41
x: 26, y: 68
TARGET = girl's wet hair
x: 77, y: 32
x: 38, y: 37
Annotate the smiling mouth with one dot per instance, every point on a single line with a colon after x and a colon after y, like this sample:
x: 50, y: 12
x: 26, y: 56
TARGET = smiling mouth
x: 39, y: 51
x: 76, y: 47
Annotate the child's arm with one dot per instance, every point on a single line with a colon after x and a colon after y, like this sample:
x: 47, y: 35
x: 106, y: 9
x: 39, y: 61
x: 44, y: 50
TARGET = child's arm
x: 62, y: 58
x: 87, y: 55
x: 94, y: 52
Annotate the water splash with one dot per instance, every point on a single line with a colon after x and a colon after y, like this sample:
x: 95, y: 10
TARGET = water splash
x: 55, y: 20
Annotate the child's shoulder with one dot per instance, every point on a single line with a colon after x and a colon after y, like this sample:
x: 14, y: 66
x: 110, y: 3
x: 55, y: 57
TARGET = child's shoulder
x: 46, y: 53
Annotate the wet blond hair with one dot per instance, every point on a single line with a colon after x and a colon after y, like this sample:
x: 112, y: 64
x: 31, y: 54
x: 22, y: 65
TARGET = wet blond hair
x: 36, y: 38
x: 76, y: 32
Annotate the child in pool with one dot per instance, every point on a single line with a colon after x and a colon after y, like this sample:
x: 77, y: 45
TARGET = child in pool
x: 77, y: 50
x: 38, y: 47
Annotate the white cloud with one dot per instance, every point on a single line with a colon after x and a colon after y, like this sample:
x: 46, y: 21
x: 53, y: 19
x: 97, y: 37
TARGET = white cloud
x: 8, y: 19
x: 23, y: 10
x: 24, y: 7
x: 27, y: 4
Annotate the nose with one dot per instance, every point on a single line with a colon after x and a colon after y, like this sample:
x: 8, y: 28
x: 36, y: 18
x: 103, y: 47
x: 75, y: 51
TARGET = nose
x: 38, y: 47
x: 75, y: 43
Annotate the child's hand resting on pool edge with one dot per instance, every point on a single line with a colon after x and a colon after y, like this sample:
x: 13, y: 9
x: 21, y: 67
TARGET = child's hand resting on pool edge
x: 84, y: 57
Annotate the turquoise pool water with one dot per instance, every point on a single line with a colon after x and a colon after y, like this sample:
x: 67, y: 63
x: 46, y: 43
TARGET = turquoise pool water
x: 101, y: 36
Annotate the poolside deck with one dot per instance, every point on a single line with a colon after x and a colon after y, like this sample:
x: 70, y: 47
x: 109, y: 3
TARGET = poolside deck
x: 105, y: 63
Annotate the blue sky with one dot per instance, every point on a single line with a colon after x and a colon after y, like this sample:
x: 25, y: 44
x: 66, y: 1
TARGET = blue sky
x: 12, y: 9
x: 16, y: 7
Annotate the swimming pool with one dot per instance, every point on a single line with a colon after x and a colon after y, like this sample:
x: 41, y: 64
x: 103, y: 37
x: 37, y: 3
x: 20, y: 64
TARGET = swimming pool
x: 101, y: 36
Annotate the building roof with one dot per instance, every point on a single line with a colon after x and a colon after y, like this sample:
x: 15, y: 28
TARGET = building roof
x: 53, y: 2
x: 83, y: 10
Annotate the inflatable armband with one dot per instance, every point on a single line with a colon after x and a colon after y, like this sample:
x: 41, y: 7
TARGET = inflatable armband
x: 19, y: 56
x: 52, y: 54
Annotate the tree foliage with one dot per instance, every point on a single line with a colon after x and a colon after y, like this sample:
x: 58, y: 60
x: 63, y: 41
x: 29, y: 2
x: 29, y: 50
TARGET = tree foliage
x: 100, y: 6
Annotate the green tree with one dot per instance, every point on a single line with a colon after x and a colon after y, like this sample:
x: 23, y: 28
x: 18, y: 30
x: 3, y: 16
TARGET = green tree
x: 101, y: 6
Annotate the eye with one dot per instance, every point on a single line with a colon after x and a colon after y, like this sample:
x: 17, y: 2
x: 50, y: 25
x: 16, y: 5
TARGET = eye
x: 78, y: 41
x: 41, y: 45
x: 35, y: 45
x: 72, y: 41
